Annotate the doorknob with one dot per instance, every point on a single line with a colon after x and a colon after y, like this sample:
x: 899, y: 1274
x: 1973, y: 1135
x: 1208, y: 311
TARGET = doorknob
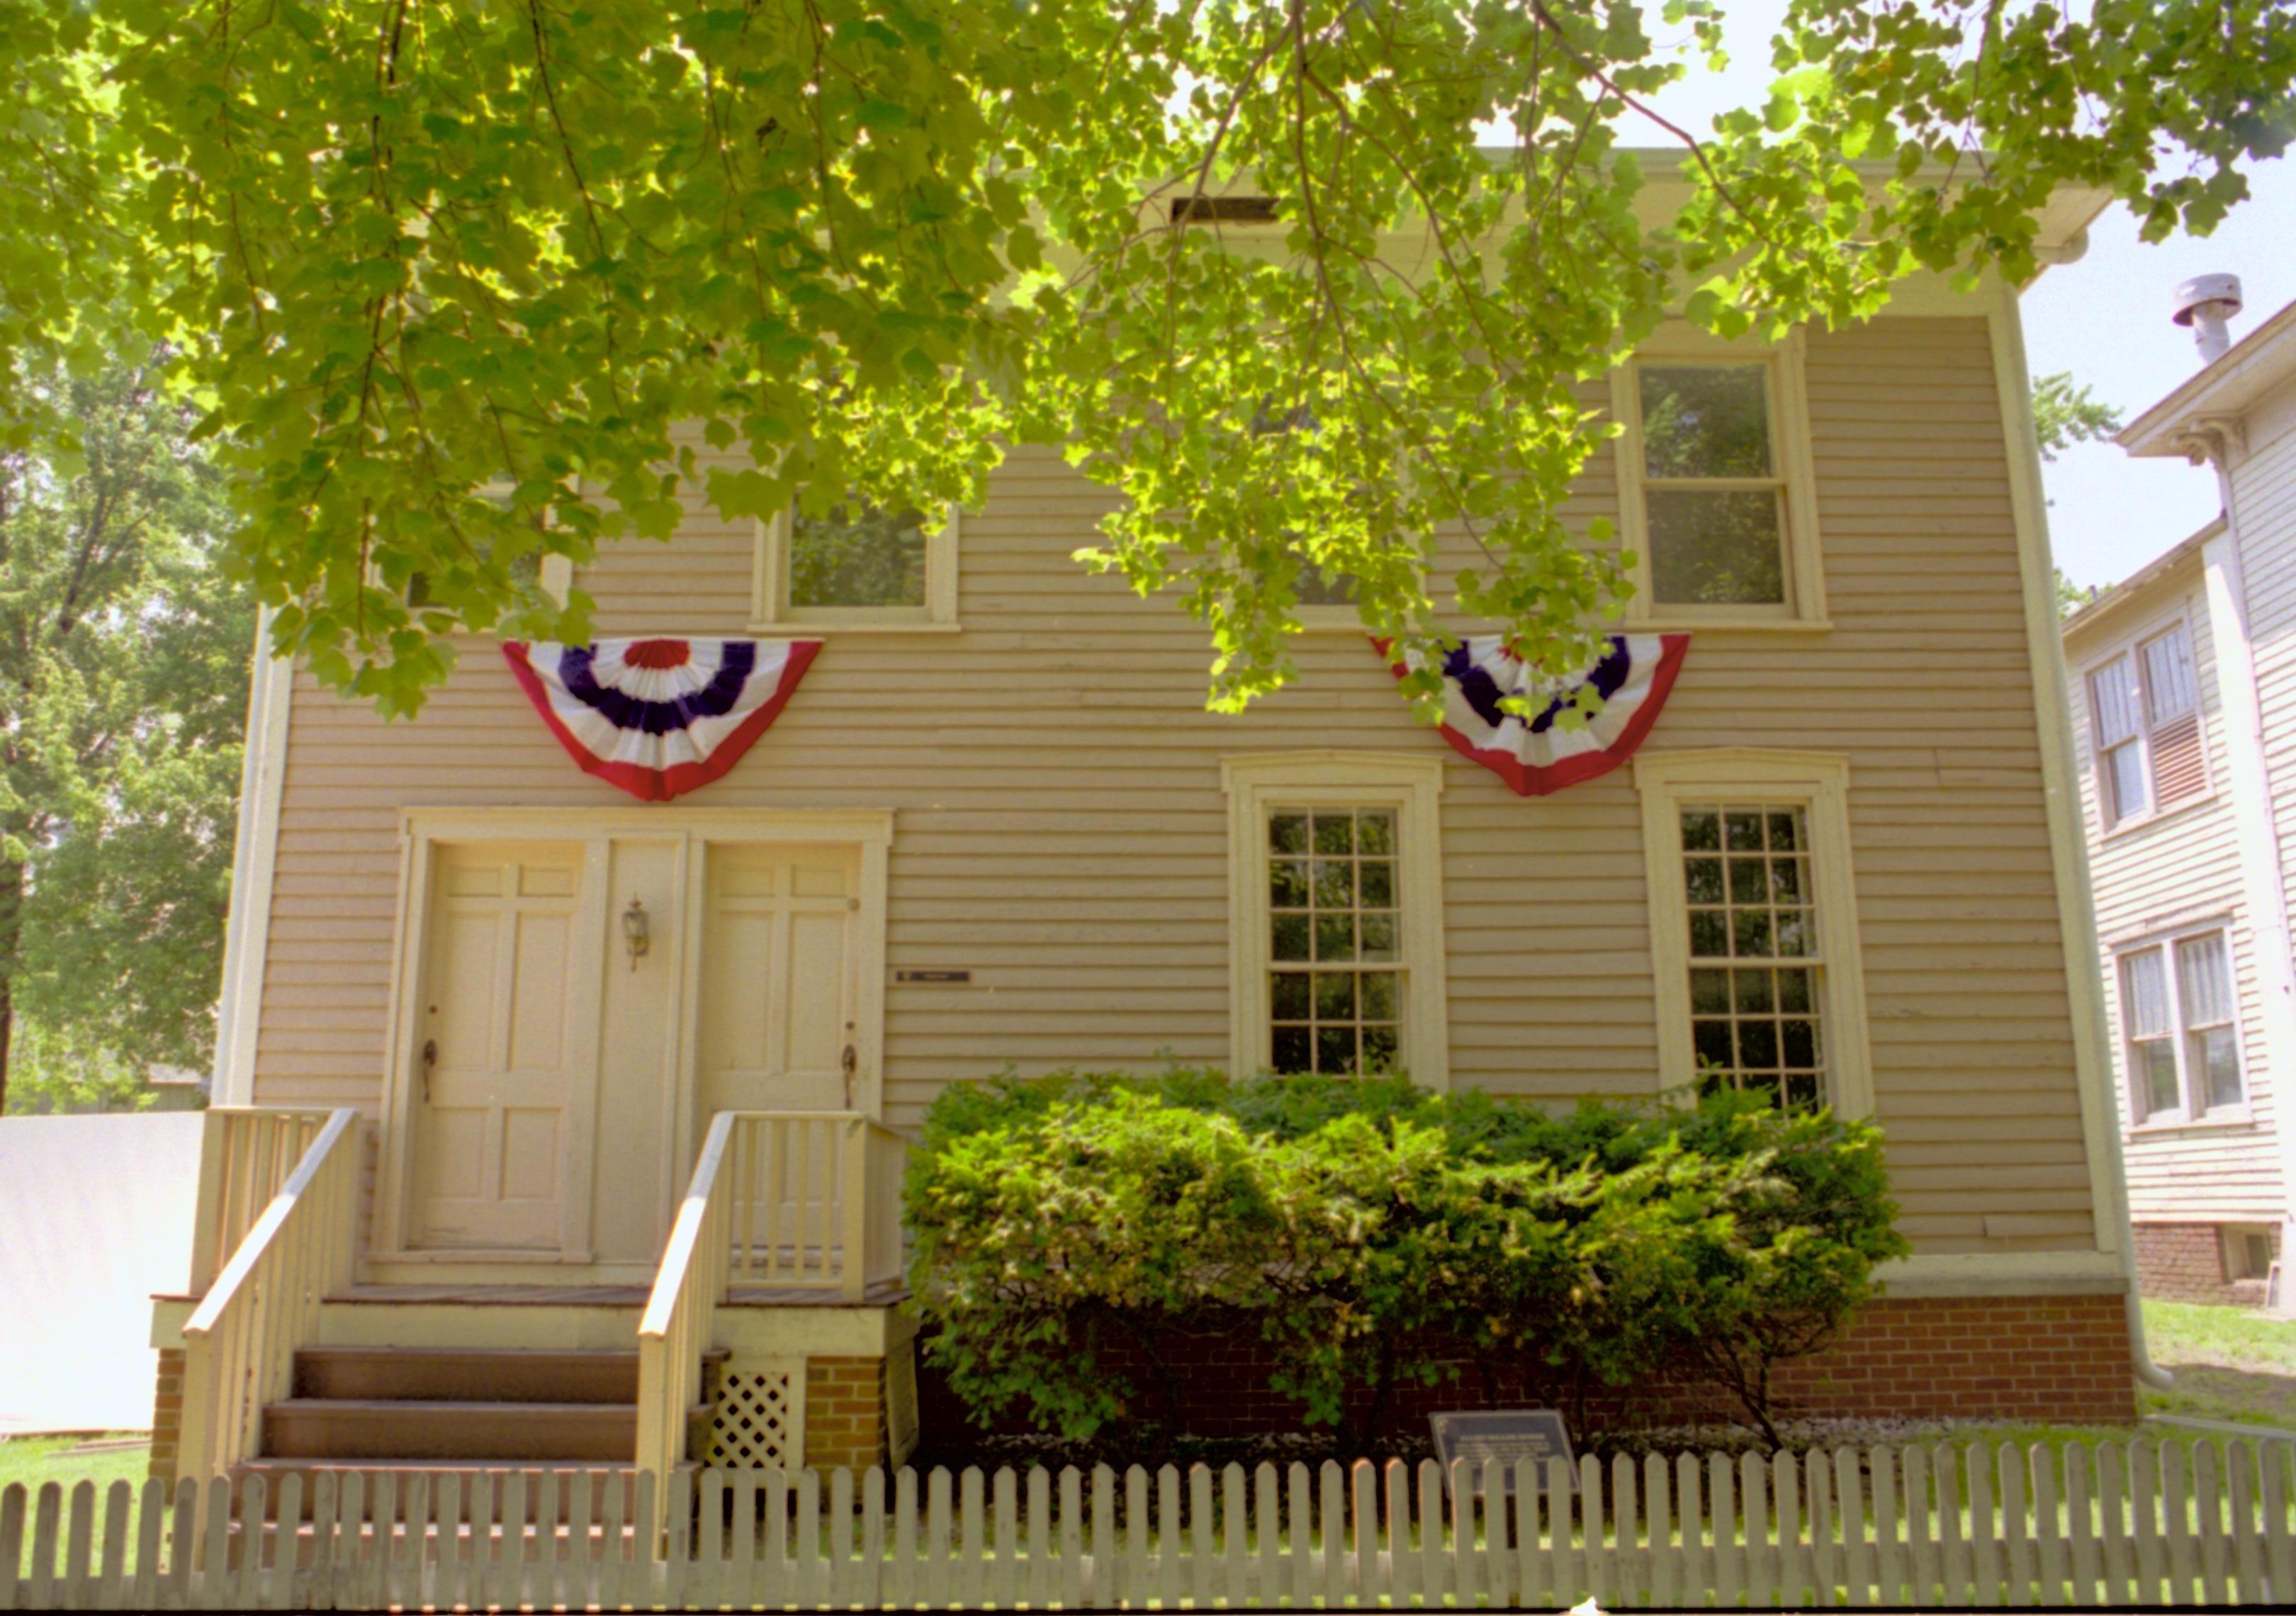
x: 429, y: 1059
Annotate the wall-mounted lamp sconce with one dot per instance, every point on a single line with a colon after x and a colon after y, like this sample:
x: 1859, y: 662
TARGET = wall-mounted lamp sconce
x: 636, y: 935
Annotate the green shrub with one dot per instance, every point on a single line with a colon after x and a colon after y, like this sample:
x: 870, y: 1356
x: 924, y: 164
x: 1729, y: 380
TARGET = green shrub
x: 1370, y: 1232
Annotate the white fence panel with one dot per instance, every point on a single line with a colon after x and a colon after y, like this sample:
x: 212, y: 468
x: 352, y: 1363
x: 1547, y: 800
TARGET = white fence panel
x: 2115, y: 1525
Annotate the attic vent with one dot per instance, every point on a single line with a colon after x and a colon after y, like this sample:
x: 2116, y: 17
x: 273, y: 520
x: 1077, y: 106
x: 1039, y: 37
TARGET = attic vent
x: 1224, y: 209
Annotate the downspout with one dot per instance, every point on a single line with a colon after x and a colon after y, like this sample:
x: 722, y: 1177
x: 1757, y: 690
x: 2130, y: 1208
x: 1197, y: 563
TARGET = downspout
x: 2076, y: 907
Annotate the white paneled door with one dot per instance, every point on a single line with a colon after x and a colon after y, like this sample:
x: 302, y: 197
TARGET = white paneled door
x: 495, y: 1061
x: 779, y: 979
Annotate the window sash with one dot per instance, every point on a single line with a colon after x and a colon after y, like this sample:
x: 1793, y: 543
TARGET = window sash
x: 2179, y: 1012
x: 1757, y: 1006
x: 2143, y: 703
x: 1774, y: 482
x: 1331, y: 909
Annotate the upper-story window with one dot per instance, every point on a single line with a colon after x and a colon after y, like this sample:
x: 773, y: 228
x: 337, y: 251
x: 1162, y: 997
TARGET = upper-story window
x: 860, y: 566
x: 1714, y: 491
x: 2180, y: 1029
x: 2144, y: 728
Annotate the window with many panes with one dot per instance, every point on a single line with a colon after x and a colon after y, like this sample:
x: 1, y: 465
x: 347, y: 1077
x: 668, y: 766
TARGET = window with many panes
x: 856, y: 565
x: 1334, y: 940
x: 2180, y: 1028
x: 1755, y: 956
x: 2144, y: 727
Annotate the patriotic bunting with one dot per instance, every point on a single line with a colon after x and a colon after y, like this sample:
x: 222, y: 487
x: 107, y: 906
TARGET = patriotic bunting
x: 1536, y: 756
x: 659, y: 718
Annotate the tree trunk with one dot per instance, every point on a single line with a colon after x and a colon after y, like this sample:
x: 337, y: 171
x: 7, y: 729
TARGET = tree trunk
x: 11, y: 918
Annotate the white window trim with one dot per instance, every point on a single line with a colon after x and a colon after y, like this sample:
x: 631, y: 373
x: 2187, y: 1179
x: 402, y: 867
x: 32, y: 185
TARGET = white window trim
x: 770, y: 612
x: 2192, y: 1116
x: 1257, y: 782
x: 1817, y: 782
x: 1676, y: 343
x: 2128, y: 646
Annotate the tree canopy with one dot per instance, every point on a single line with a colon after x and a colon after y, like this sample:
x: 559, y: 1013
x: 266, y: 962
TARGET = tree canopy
x: 451, y: 272
x: 124, y: 658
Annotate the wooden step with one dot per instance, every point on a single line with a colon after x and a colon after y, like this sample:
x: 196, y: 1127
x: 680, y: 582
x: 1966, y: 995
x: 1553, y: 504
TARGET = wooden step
x: 424, y: 1430
x: 470, y: 1476
x: 459, y: 1375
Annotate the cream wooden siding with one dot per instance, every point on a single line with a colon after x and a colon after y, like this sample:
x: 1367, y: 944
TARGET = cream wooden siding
x: 1061, y: 828
x: 2179, y: 869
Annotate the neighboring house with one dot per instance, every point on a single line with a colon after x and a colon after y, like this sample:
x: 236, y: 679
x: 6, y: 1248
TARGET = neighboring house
x: 994, y: 824
x: 2185, y: 715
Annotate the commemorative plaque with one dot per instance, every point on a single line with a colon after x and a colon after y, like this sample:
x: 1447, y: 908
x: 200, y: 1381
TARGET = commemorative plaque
x: 1505, y: 1434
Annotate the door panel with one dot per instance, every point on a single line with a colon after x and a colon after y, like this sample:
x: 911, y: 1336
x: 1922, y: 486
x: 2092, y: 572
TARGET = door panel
x: 494, y: 1075
x: 779, y: 978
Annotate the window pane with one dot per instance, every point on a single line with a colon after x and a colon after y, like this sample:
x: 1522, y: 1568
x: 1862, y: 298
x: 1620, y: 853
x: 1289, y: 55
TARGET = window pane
x: 1379, y: 1049
x: 1378, y: 937
x: 1288, y: 937
x: 2110, y: 708
x: 2204, y: 980
x: 1335, y: 883
x: 1335, y: 997
x: 2125, y: 769
x: 1375, y: 833
x: 1287, y: 883
x: 1715, y: 547
x: 1316, y: 588
x: 868, y: 557
x: 1703, y: 880
x: 1294, y: 1049
x: 1335, y: 936
x: 2145, y: 994
x: 2213, y: 1053
x: 1290, y: 995
x: 1701, y: 831
x: 1335, y: 833
x: 1376, y: 879
x: 1705, y: 420
x: 1709, y: 992
x: 1335, y: 1050
x: 1378, y: 989
x: 2156, y: 1062
x: 1287, y: 832
x: 2170, y: 689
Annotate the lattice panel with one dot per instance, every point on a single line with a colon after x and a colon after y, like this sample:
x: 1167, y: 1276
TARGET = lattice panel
x: 759, y: 1423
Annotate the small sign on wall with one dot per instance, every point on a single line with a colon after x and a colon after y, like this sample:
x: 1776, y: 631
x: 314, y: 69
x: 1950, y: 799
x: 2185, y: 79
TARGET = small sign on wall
x: 932, y: 976
x: 1505, y: 1434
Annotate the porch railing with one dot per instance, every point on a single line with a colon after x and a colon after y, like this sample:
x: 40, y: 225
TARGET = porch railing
x: 779, y: 1201
x: 278, y: 1230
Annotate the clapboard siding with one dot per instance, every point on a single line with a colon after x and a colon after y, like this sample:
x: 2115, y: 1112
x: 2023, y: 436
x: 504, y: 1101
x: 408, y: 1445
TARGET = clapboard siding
x: 1061, y: 828
x: 2179, y: 869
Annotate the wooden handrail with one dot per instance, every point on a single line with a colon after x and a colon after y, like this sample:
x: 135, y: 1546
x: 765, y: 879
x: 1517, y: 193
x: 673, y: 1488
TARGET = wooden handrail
x: 240, y: 1344
x: 806, y: 1201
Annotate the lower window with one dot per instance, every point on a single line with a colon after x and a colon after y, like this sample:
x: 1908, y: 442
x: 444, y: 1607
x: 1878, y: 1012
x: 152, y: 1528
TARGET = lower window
x: 2179, y: 1028
x: 1755, y: 957
x: 1334, y: 940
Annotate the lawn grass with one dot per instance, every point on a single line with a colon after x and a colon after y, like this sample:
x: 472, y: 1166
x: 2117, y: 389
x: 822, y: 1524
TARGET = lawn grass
x: 2231, y: 1364
x: 33, y: 1460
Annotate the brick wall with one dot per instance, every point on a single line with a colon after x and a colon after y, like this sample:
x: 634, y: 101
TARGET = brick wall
x: 2063, y: 1360
x: 844, y: 1412
x: 167, y: 1414
x: 2184, y: 1262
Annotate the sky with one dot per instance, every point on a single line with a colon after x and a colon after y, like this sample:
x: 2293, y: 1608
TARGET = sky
x: 2104, y: 319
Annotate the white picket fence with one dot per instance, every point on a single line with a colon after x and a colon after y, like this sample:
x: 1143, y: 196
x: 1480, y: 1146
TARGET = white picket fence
x: 2114, y: 1524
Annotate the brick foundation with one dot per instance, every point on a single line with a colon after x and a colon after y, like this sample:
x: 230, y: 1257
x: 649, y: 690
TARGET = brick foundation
x: 2060, y: 1359
x: 2186, y: 1262
x: 844, y: 1412
x: 167, y: 1414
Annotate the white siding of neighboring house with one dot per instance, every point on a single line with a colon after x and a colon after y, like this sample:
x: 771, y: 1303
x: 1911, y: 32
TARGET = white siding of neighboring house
x: 2264, y: 495
x: 2177, y: 869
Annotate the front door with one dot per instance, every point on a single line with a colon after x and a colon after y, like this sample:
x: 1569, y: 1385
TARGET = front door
x: 780, y: 977
x: 495, y: 1078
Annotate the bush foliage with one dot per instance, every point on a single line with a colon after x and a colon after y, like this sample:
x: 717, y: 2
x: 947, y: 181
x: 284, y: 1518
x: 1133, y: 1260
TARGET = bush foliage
x: 1375, y: 1235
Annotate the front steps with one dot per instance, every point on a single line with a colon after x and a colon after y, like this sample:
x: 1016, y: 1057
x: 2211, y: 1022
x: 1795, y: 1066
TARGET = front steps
x: 564, y: 1419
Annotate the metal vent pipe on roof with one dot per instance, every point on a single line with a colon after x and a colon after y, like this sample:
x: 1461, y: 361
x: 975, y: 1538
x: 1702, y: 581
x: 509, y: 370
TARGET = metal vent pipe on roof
x: 2205, y: 302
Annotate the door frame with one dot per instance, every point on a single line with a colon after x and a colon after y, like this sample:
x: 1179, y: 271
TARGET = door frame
x: 690, y: 831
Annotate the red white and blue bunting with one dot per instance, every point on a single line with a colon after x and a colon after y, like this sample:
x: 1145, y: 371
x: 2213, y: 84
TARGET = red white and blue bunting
x: 1536, y: 756
x: 659, y: 718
